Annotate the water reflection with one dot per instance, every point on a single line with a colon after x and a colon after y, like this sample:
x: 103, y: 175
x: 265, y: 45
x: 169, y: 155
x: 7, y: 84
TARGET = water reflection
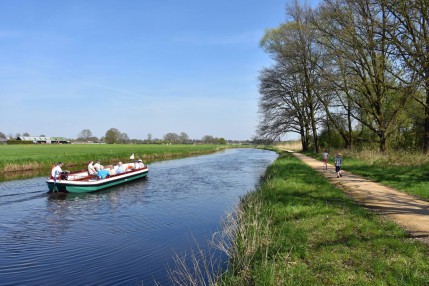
x: 8, y: 176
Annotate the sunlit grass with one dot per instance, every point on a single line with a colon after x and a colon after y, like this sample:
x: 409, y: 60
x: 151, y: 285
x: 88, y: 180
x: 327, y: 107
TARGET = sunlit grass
x: 313, y: 234
x: 24, y: 157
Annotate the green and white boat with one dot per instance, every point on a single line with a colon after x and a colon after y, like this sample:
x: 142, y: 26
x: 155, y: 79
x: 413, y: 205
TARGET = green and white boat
x: 81, y: 182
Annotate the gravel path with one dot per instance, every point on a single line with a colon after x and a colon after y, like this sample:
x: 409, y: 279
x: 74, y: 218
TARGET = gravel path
x: 407, y: 211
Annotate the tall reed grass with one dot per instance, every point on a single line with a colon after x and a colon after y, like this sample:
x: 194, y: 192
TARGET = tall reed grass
x: 231, y: 252
x: 391, y: 158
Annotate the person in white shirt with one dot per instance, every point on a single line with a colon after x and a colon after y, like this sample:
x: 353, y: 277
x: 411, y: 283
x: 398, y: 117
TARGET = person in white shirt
x: 136, y: 164
x: 91, y: 169
x: 141, y: 164
x: 98, y: 166
x: 56, y: 171
x: 325, y: 158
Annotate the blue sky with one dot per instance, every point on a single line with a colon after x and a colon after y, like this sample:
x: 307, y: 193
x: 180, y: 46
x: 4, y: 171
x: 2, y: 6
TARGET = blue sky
x: 141, y: 66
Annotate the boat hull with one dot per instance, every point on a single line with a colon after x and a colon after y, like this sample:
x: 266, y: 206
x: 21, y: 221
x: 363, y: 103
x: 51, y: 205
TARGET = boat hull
x: 93, y: 184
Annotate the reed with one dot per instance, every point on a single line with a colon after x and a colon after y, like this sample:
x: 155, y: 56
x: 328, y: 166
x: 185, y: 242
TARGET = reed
x: 10, y: 167
x: 209, y: 265
x: 290, y: 145
x: 201, y: 267
x: 391, y: 158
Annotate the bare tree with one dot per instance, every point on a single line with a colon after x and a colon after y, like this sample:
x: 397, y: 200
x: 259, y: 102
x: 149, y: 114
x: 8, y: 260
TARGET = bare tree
x: 84, y: 135
x: 282, y: 106
x: 124, y: 138
x: 293, y: 46
x: 183, y: 137
x: 208, y: 139
x: 172, y: 137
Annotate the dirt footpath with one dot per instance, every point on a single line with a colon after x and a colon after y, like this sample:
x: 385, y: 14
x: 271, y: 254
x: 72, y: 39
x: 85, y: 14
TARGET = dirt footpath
x: 407, y: 211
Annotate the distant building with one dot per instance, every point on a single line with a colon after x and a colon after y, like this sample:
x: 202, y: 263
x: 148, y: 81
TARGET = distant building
x: 44, y: 140
x: 3, y: 141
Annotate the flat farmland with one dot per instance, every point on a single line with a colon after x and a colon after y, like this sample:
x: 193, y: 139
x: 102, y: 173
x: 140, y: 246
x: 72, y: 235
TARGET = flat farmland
x: 37, y: 157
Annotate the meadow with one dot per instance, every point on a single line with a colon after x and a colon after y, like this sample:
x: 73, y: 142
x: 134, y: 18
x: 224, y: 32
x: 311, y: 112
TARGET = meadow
x: 42, y: 156
x: 298, y: 229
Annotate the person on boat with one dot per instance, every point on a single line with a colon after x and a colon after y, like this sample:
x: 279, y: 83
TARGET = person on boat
x: 120, y: 168
x: 56, y: 171
x: 98, y: 166
x: 136, y: 164
x: 141, y: 164
x: 91, y: 169
x: 110, y: 169
x: 103, y: 173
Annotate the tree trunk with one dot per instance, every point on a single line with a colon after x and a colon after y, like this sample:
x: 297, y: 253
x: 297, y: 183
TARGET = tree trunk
x: 314, y: 130
x: 426, y: 131
x: 383, y: 140
x: 349, y: 121
x: 304, y: 142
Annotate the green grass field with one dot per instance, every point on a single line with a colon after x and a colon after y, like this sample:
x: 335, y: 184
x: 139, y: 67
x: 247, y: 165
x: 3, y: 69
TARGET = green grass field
x: 298, y: 229
x: 33, y: 157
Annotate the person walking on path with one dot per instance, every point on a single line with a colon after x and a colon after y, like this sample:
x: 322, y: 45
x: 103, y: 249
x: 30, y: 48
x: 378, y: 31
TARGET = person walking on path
x: 407, y: 211
x: 338, y: 163
x: 325, y: 158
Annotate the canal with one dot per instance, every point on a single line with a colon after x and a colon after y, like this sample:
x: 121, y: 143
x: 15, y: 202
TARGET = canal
x: 126, y: 235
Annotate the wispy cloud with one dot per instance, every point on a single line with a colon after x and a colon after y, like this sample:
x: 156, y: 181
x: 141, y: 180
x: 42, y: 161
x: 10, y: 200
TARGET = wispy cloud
x: 123, y: 91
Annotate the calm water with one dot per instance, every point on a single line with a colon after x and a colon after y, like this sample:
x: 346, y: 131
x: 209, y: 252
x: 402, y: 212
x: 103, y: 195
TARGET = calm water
x: 126, y: 235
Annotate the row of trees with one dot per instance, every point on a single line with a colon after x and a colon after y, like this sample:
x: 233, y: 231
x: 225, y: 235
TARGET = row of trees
x: 3, y: 136
x: 347, y: 72
x: 114, y: 136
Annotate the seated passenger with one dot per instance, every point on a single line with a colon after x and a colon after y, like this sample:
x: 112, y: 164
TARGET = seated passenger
x: 111, y: 170
x: 98, y: 166
x: 91, y: 169
x: 141, y: 164
x: 103, y: 173
x: 120, y: 168
x: 56, y: 171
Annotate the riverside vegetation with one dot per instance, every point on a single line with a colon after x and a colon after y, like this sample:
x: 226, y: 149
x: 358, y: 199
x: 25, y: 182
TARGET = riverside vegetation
x: 298, y: 229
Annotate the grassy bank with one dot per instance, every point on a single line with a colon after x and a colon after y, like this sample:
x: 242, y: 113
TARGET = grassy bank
x: 403, y: 171
x: 298, y: 229
x: 37, y: 157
